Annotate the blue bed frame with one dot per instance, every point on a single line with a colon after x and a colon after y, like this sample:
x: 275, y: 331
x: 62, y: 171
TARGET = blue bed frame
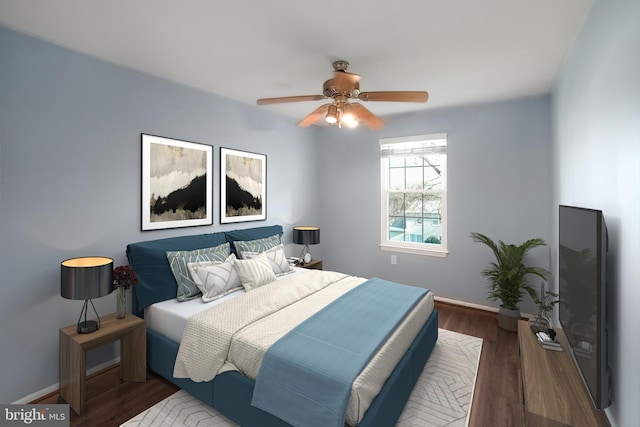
x: 230, y: 392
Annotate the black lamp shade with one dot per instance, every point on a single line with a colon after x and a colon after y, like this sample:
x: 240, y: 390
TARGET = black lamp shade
x: 306, y: 235
x: 86, y: 278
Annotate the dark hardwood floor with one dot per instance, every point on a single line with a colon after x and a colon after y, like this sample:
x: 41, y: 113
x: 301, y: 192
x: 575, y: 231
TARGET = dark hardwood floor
x: 110, y: 402
x: 495, y: 399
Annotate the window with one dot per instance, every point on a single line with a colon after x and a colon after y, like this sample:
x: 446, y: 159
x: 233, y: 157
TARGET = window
x: 414, y: 189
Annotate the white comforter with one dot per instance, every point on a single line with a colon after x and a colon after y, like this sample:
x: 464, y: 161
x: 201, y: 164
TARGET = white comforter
x: 234, y: 335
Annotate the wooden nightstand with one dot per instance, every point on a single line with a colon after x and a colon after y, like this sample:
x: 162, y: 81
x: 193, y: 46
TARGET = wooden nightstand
x: 132, y: 333
x: 314, y: 264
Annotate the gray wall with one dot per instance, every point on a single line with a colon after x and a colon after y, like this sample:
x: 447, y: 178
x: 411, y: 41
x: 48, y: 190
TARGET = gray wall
x: 596, y: 112
x: 70, y: 183
x: 498, y: 159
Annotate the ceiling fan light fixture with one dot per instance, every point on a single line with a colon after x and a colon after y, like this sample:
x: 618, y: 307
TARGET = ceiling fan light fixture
x: 332, y: 115
x: 347, y: 117
x: 340, y: 89
x: 353, y: 123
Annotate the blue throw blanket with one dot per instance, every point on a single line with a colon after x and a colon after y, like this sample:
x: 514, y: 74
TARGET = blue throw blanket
x: 306, y: 376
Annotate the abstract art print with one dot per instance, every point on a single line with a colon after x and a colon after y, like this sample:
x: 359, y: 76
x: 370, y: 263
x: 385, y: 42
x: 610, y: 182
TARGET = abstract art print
x: 176, y: 183
x: 243, y: 186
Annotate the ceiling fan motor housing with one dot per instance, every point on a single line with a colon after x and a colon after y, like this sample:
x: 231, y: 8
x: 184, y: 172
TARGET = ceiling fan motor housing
x: 332, y: 88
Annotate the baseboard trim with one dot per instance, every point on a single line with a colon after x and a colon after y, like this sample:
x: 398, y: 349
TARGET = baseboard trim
x: 474, y: 306
x: 39, y: 395
x: 465, y: 304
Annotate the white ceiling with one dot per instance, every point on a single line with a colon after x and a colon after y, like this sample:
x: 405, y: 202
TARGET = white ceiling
x: 460, y: 51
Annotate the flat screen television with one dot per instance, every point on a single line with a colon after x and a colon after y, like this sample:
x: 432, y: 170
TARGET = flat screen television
x: 582, y: 265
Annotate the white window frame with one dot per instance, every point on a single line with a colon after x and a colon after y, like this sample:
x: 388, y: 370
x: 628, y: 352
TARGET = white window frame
x: 427, y: 249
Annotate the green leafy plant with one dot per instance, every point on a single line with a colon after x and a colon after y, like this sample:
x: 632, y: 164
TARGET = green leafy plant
x: 508, y: 274
x: 545, y: 300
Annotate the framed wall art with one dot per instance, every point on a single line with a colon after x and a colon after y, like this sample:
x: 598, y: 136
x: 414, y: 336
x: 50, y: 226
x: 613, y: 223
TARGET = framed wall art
x: 243, y: 186
x: 176, y: 183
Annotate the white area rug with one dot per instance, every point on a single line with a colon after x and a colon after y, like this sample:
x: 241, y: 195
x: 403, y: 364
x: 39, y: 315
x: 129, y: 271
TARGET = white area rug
x: 442, y: 396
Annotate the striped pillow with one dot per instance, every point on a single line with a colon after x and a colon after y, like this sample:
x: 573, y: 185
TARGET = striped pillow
x: 277, y: 259
x: 257, y: 246
x: 215, y: 279
x: 178, y: 261
x: 254, y: 272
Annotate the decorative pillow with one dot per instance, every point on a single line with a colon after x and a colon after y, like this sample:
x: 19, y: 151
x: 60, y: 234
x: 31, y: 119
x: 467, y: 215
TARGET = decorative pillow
x: 254, y: 272
x: 277, y: 259
x: 178, y: 261
x: 258, y: 245
x: 215, y: 279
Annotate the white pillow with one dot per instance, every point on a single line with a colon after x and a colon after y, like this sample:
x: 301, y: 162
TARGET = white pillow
x: 254, y: 272
x: 215, y: 279
x: 277, y: 259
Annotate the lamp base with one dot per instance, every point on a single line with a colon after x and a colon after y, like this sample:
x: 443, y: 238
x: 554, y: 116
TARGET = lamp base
x: 88, y: 326
x: 305, y: 256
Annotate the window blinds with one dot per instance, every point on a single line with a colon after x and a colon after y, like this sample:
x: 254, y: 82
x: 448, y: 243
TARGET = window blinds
x: 413, y: 146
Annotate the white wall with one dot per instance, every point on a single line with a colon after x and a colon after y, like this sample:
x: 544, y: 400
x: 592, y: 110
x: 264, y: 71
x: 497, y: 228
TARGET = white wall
x: 596, y: 115
x: 499, y: 184
x: 70, y: 183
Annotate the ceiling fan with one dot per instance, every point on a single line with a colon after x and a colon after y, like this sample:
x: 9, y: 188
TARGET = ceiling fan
x: 340, y: 89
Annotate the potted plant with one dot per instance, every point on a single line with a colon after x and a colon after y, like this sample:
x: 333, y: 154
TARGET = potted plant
x: 123, y: 278
x: 545, y: 302
x: 508, y: 277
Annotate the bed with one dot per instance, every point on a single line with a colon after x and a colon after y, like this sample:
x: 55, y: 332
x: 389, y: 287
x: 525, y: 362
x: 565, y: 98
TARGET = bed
x: 231, y: 390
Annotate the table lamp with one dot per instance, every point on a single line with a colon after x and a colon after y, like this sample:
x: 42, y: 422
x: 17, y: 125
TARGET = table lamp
x: 306, y: 235
x: 83, y: 279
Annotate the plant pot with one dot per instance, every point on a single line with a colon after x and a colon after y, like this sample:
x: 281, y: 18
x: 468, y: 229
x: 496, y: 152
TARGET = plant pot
x: 508, y: 319
x: 539, y: 323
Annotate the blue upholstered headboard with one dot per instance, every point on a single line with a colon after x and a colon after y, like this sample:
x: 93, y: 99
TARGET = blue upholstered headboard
x: 149, y: 260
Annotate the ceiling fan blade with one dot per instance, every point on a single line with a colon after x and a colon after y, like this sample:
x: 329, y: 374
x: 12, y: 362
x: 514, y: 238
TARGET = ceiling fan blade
x: 283, y: 99
x: 398, y: 96
x: 316, y: 115
x: 365, y: 116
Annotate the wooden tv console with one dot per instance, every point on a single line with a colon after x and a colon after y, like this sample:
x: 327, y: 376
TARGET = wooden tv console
x: 552, y: 392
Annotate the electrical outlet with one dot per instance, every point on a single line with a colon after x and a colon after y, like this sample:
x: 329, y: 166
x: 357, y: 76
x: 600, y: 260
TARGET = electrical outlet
x: 394, y: 260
